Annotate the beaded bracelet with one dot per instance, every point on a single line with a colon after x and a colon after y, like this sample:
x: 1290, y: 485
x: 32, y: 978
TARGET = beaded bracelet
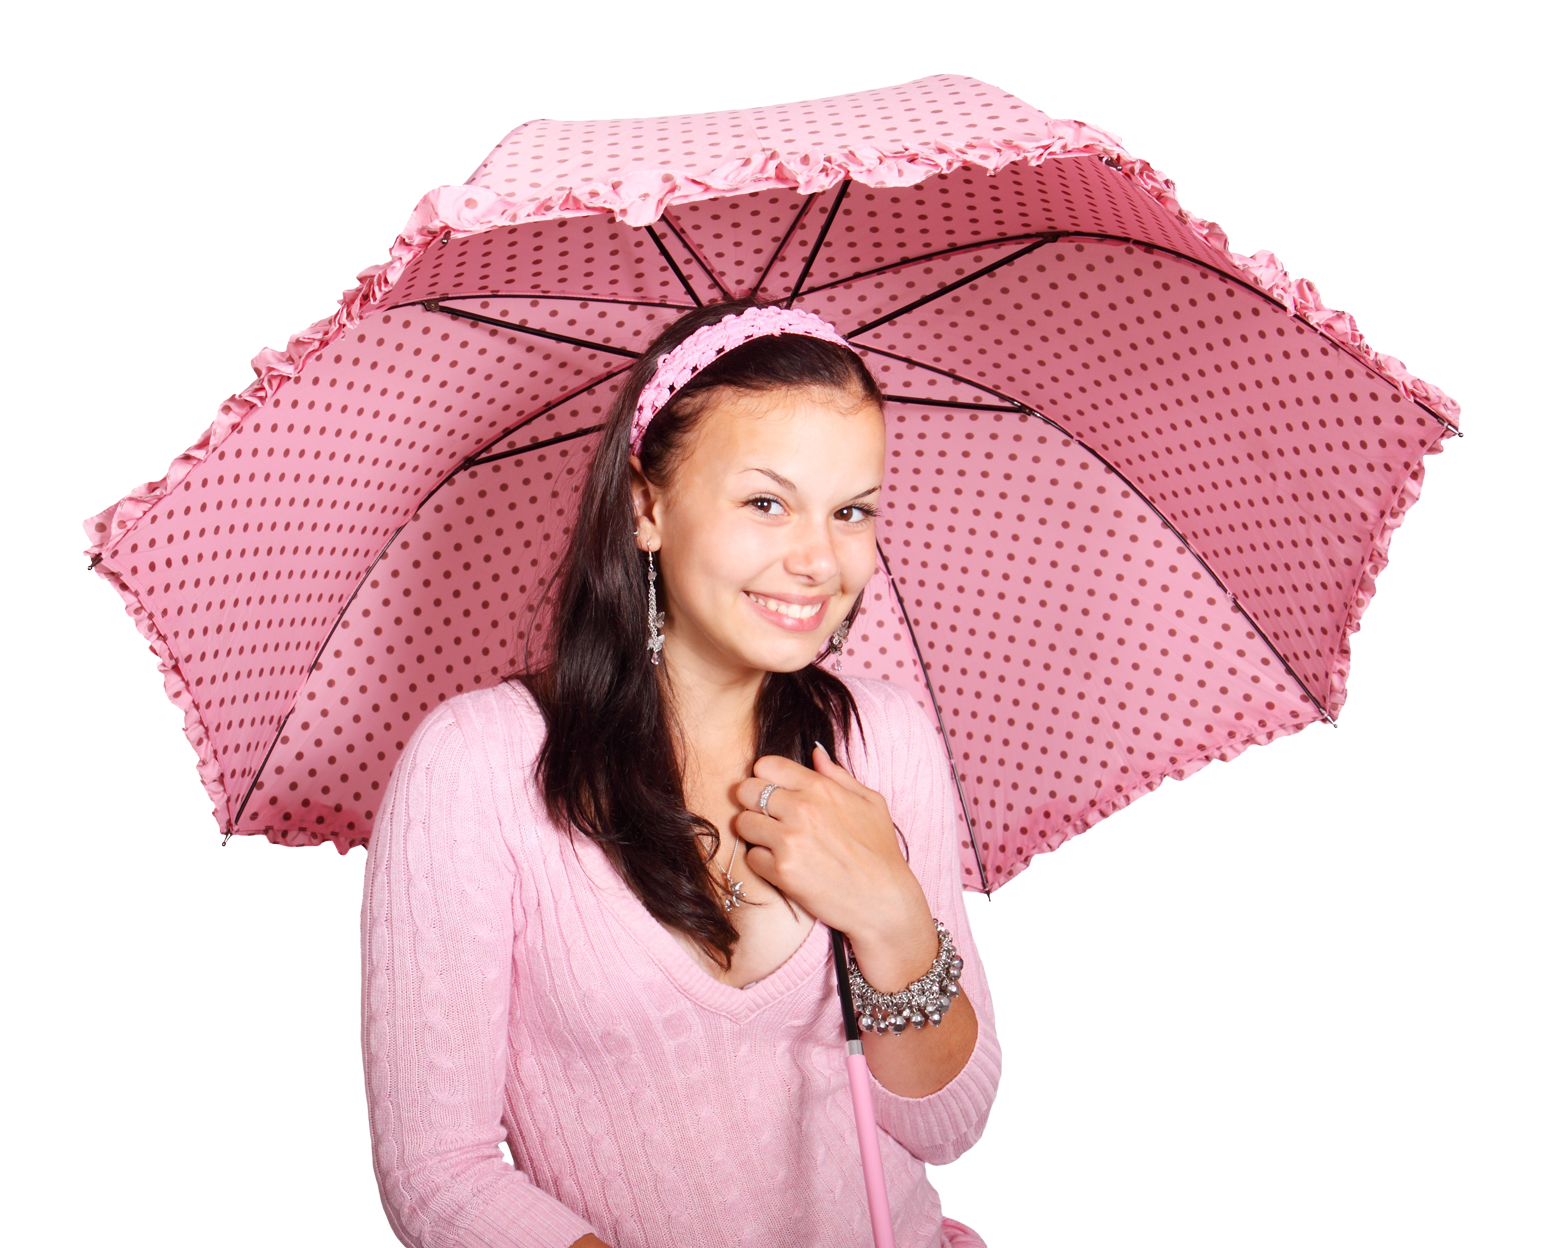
x: 927, y: 998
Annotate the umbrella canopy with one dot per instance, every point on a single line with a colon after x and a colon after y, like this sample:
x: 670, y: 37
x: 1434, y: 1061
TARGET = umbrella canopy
x: 1138, y: 486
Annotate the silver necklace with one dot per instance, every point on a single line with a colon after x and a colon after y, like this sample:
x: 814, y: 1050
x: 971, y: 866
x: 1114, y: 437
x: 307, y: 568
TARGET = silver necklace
x: 734, y: 887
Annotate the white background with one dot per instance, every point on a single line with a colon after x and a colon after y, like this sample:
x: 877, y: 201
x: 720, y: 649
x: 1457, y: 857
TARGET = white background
x: 1300, y: 999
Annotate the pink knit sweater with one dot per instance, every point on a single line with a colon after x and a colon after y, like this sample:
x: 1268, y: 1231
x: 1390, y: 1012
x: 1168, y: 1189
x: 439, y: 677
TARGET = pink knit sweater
x: 513, y: 988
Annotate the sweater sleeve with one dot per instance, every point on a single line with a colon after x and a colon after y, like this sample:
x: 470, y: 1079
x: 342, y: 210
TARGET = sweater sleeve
x: 940, y: 1127
x: 437, y: 931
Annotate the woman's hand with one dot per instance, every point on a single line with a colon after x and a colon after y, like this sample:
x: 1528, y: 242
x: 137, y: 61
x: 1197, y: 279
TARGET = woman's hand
x: 829, y: 843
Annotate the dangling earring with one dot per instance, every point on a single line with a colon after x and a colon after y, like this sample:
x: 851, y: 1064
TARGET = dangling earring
x: 837, y: 640
x: 655, y: 620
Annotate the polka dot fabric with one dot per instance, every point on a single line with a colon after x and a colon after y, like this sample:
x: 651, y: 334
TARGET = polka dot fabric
x: 245, y: 570
x: 1138, y: 486
x: 1079, y: 652
x: 1269, y: 449
x: 951, y: 217
x: 931, y: 116
x: 586, y: 259
x: 450, y: 605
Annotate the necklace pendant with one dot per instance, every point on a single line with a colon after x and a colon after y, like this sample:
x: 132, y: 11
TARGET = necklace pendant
x: 737, y: 897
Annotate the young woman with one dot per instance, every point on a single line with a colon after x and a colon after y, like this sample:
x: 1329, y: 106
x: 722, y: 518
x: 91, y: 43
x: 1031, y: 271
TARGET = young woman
x: 598, y: 895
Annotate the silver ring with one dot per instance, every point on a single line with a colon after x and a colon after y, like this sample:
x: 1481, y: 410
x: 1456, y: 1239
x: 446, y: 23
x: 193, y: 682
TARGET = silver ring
x: 764, y: 798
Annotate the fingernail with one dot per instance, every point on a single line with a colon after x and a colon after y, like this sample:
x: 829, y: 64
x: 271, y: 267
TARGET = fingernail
x: 819, y: 746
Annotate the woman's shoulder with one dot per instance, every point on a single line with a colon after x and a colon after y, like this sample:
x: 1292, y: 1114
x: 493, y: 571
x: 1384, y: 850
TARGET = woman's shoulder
x: 891, y: 719
x: 503, y: 715
x: 487, y: 738
x: 886, y: 703
x: 506, y: 707
x: 907, y: 763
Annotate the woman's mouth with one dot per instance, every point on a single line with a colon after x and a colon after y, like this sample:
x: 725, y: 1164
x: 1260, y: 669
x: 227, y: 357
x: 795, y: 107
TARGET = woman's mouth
x: 791, y: 616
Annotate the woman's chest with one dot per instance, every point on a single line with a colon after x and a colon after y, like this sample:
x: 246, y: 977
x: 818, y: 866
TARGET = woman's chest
x: 592, y: 969
x: 770, y: 929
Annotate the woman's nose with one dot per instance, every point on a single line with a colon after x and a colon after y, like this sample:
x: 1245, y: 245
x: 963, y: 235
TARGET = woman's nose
x: 812, y: 554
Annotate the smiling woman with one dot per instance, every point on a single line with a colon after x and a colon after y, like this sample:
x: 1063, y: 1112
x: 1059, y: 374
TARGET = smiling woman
x: 563, y: 947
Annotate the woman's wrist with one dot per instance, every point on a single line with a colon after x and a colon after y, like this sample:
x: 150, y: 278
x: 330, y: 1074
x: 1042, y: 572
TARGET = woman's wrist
x: 899, y: 945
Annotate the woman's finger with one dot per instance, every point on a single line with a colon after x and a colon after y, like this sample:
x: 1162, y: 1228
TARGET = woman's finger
x: 784, y: 796
x: 747, y: 796
x: 762, y: 862
x: 828, y: 768
x: 786, y: 772
x: 763, y: 831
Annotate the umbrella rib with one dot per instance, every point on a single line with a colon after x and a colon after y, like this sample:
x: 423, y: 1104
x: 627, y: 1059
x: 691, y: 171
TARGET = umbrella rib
x: 1025, y: 410
x: 673, y: 264
x: 807, y: 202
x: 533, y: 294
x: 920, y: 657
x: 435, y: 305
x: 242, y: 806
x: 962, y: 381
x: 366, y: 576
x: 823, y: 233
x: 547, y: 408
x: 236, y: 820
x: 695, y: 252
x: 1048, y: 236
x: 973, y: 407
x: 568, y: 397
x: 952, y: 286
x: 523, y: 450
x: 895, y: 266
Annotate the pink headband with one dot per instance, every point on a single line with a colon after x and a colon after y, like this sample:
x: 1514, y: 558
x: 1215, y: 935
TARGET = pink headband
x: 709, y: 341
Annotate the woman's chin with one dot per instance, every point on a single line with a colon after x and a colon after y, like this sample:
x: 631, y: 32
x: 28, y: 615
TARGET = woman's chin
x: 760, y: 645
x: 787, y: 658
x: 789, y: 655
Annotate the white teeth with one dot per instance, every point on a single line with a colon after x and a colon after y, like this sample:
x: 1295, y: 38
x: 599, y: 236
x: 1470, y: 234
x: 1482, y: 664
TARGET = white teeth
x: 787, y: 608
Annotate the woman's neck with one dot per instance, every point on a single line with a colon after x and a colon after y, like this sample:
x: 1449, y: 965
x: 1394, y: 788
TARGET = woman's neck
x: 713, y: 706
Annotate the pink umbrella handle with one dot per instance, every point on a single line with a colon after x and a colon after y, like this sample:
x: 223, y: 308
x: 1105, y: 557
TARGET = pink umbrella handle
x: 871, y: 1155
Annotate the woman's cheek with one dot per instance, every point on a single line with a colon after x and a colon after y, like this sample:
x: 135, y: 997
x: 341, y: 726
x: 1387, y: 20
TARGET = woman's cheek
x: 742, y: 551
x: 859, y: 560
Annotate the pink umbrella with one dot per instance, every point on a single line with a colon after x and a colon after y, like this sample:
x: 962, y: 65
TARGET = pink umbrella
x: 1140, y: 486
x: 1143, y: 484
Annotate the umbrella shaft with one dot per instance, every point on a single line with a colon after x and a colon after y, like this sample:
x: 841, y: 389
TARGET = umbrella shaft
x: 871, y: 1155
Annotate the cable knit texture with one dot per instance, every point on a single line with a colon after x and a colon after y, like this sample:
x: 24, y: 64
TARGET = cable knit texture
x: 513, y: 988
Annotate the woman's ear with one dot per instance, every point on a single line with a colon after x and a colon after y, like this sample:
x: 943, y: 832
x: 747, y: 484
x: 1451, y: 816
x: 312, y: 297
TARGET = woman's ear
x: 644, y: 498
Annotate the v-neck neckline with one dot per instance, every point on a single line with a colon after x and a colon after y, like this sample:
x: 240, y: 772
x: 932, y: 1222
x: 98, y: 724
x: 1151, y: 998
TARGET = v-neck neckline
x: 690, y: 978
x: 687, y: 975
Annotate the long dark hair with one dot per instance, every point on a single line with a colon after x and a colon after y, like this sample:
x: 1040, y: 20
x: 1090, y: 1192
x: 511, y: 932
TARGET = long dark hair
x: 609, y: 764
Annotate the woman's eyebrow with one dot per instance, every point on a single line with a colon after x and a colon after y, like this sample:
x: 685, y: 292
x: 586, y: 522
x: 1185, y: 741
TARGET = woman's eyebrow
x: 773, y: 476
x: 780, y: 480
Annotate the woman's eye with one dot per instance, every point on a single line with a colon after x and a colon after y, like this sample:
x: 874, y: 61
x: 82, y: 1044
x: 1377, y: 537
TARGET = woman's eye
x: 859, y: 513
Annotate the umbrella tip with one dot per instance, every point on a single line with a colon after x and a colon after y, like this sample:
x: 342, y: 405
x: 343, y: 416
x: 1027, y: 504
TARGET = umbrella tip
x: 998, y: 909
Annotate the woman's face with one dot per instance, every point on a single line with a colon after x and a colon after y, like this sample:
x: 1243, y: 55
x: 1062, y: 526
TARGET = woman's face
x: 766, y: 534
